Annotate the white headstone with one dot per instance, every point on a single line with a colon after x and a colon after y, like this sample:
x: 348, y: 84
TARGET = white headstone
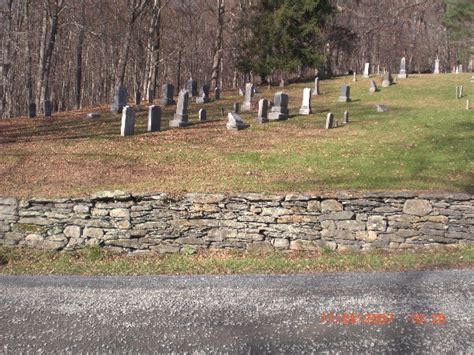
x: 235, y: 122
x: 329, y: 121
x: 436, y: 70
x: 306, y: 105
x: 366, y: 70
x: 403, y: 69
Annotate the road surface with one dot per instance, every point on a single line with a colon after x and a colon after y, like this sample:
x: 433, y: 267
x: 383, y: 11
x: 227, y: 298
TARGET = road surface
x: 412, y: 312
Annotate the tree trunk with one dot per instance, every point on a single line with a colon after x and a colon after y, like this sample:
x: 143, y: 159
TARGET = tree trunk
x: 216, y: 63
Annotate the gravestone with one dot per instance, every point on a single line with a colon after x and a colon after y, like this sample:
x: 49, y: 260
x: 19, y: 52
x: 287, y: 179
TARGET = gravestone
x: 283, y: 83
x: 280, y: 108
x: 316, y: 90
x: 128, y: 121
x: 180, y: 118
x: 202, y: 115
x: 235, y: 122
x: 468, y: 107
x: 203, y: 95
x: 47, y: 108
x: 192, y: 88
x: 373, y: 87
x: 366, y: 70
x: 262, y: 111
x: 387, y: 80
x: 346, y: 117
x: 330, y: 121
x: 436, y: 69
x: 381, y: 108
x: 154, y: 118
x: 345, y: 93
x: 236, y: 107
x: 217, y: 93
x: 354, y: 79
x: 93, y: 115
x: 306, y: 104
x: 378, y: 69
x: 32, y: 110
x: 460, y: 68
x: 120, y: 99
x: 167, y: 95
x: 247, y: 105
x: 403, y: 69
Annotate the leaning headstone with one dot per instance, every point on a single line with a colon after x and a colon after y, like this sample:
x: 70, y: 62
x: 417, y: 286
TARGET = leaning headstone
x: 366, y: 70
x: 47, y: 108
x: 345, y: 93
x: 403, y: 69
x: 236, y: 107
x: 202, y: 115
x: 346, y: 118
x: 217, y: 93
x: 381, y: 108
x: 93, y: 115
x: 120, y: 99
x: 247, y: 105
x: 192, y: 88
x: 330, y: 121
x: 32, y: 110
x: 280, y: 108
x: 436, y: 69
x: 306, y: 105
x: 316, y: 90
x: 203, y: 95
x: 128, y: 121
x: 235, y: 122
x: 180, y: 118
x: 373, y: 87
x: 387, y: 80
x: 167, y: 95
x: 154, y: 118
x: 262, y: 111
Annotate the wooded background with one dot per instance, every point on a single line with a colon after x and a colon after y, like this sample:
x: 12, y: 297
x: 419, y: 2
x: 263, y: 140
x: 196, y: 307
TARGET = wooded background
x: 75, y: 52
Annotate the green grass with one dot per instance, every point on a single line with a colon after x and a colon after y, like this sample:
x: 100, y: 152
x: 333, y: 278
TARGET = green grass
x: 424, y: 142
x: 94, y: 261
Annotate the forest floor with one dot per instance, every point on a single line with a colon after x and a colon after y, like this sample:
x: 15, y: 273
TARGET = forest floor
x: 424, y: 142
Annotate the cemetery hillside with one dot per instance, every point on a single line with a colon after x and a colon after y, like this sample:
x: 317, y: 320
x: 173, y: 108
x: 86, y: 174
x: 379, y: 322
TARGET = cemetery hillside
x: 424, y: 142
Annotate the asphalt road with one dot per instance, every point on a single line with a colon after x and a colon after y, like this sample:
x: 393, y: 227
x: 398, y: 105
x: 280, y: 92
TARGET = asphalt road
x: 414, y: 312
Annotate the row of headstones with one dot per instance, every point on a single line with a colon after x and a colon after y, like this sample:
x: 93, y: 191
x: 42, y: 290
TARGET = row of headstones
x: 167, y: 98
x: 401, y: 75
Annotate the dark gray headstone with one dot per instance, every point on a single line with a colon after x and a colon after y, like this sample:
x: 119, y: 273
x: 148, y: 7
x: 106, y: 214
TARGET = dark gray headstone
x: 262, y: 111
x: 47, y: 108
x: 236, y: 107
x: 280, y: 108
x: 167, y: 95
x: 120, y: 99
x: 32, y: 111
x: 128, y: 121
x: 202, y: 115
x: 192, y: 88
x: 154, y: 118
x: 181, y: 116
x: 316, y: 90
x: 203, y: 95
x: 345, y: 93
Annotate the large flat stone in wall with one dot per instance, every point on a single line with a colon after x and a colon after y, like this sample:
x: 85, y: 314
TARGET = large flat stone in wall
x: 417, y: 207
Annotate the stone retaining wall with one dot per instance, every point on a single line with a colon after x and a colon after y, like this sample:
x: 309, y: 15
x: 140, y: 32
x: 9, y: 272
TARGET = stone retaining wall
x: 165, y: 224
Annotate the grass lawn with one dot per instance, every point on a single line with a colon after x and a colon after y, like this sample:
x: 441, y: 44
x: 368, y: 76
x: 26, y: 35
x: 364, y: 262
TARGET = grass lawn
x: 424, y: 142
x: 95, y: 261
